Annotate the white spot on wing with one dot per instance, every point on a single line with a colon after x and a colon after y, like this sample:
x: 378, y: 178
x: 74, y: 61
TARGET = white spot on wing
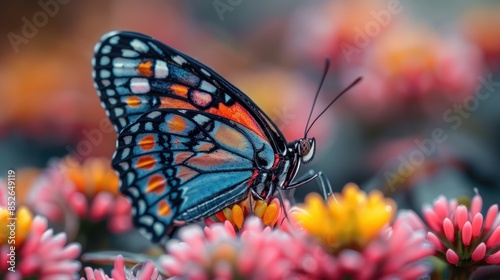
x: 206, y: 86
x: 104, y: 61
x: 139, y: 85
x: 129, y: 53
x: 148, y: 126
x: 127, y: 139
x: 205, y: 72
x: 161, y: 69
x: 118, y: 112
x: 158, y: 228
x: 106, y: 49
x: 114, y: 40
x: 134, y: 128
x: 125, y: 153
x: 139, y: 46
x: 200, y: 119
x: 110, y: 92
x: 154, y: 114
x: 122, y: 122
x: 179, y: 59
x: 104, y: 74
x: 142, y: 207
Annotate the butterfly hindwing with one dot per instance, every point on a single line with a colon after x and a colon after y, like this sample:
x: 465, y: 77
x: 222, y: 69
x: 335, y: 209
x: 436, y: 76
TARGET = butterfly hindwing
x: 182, y: 165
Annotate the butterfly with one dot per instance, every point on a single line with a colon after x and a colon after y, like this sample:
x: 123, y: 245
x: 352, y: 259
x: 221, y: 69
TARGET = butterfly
x: 189, y: 142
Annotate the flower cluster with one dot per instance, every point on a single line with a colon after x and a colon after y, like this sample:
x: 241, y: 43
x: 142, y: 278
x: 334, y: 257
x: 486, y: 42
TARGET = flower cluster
x: 463, y: 237
x: 356, y: 228
x: 36, y: 251
x: 70, y: 191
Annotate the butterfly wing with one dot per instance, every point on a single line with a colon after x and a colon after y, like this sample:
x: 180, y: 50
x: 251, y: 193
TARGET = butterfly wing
x: 135, y: 73
x: 178, y: 166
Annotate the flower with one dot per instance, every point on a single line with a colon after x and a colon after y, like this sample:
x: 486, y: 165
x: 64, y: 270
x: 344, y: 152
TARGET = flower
x: 461, y: 235
x: 348, y: 220
x: 38, y: 253
x: 69, y: 191
x: 270, y: 213
x: 142, y: 271
x: 219, y: 252
x: 413, y: 70
x: 394, y: 254
x: 356, y: 229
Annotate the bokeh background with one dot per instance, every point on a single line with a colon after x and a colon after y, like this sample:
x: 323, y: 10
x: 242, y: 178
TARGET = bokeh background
x: 424, y: 121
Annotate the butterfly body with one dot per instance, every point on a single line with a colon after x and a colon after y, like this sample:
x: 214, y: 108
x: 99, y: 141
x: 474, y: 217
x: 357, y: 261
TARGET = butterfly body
x: 189, y: 143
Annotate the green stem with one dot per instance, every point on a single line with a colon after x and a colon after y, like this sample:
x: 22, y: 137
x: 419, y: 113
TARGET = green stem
x: 460, y: 274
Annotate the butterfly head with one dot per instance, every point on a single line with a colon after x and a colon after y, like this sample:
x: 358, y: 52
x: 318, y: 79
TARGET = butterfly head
x: 306, y: 149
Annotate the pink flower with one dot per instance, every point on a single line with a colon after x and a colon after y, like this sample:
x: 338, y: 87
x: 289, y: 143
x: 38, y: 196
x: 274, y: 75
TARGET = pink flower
x: 463, y: 236
x: 142, y: 271
x: 218, y: 252
x: 69, y: 192
x: 42, y: 255
x: 396, y: 253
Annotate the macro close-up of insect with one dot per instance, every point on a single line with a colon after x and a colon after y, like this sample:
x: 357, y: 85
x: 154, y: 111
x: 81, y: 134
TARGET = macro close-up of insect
x: 190, y: 143
x: 232, y: 139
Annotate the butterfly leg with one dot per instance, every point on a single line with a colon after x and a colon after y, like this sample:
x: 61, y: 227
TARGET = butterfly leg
x: 323, y: 182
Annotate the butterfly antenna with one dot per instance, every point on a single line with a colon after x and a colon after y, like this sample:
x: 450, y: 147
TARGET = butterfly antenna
x: 333, y: 101
x: 327, y: 66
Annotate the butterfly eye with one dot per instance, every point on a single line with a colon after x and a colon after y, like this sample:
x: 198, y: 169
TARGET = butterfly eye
x: 307, y: 149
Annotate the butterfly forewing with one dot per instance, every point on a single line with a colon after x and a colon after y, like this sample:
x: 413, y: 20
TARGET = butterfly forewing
x: 135, y: 73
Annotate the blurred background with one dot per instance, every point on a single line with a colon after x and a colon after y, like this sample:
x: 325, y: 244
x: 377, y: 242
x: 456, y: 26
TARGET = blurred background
x: 424, y: 121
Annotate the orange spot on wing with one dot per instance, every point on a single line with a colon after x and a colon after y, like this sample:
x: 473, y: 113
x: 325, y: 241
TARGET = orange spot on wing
x: 163, y: 208
x: 169, y: 102
x: 177, y: 124
x: 146, y: 162
x: 133, y: 101
x: 237, y: 113
x: 179, y: 90
x: 156, y: 184
x: 145, y: 68
x: 147, y: 142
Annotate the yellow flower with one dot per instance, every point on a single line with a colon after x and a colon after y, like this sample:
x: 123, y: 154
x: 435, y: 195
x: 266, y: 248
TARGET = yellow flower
x: 92, y: 176
x: 236, y: 214
x: 347, y: 220
x: 15, y: 230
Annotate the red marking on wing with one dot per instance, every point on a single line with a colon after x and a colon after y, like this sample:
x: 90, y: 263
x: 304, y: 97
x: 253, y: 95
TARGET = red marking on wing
x: 185, y: 173
x: 147, y: 142
x: 201, y: 98
x: 276, y: 161
x: 145, y: 68
x: 252, y: 179
x: 237, y: 113
x: 163, y: 208
x: 156, y: 184
x: 180, y: 157
x: 146, y: 162
x: 218, y: 157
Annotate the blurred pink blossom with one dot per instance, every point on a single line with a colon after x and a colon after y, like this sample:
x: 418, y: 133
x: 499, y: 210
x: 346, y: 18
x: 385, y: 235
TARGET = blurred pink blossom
x: 218, y: 252
x: 461, y: 235
x: 43, y: 255
x: 142, y: 271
